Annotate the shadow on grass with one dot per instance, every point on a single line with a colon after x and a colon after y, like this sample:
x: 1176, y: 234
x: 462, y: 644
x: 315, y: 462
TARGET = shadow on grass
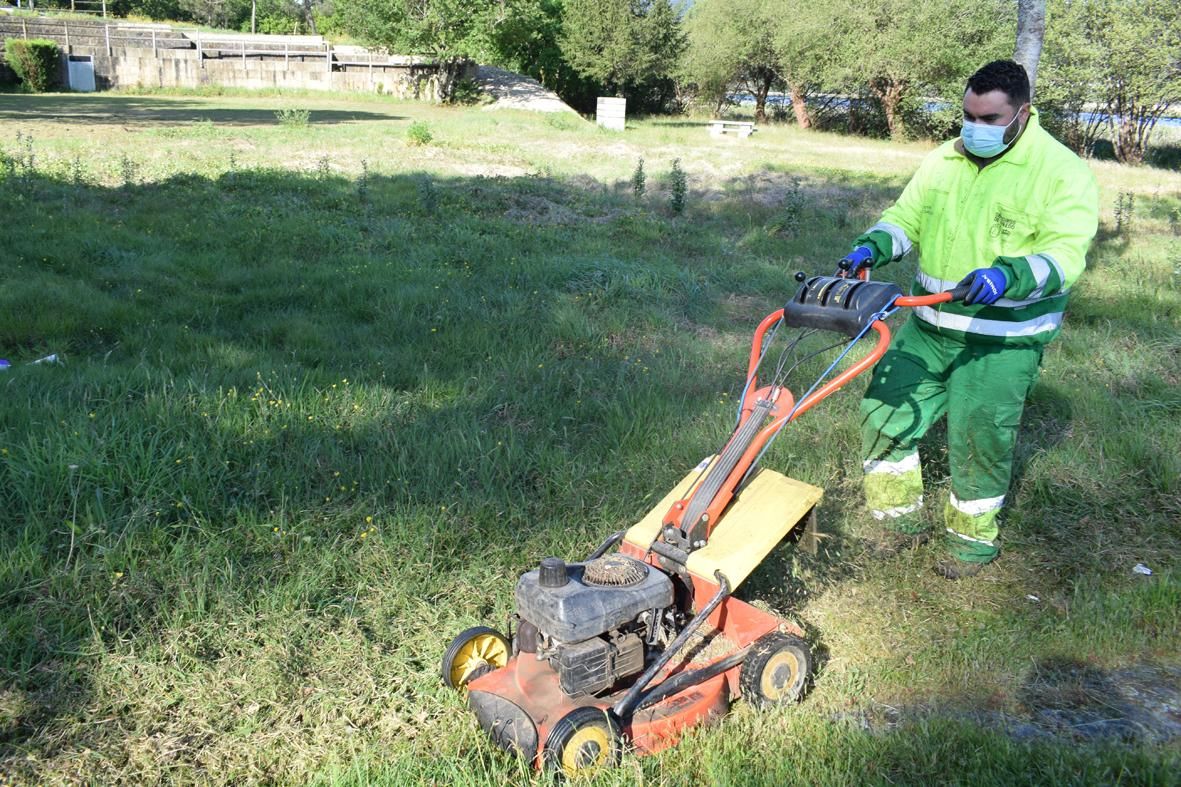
x: 82, y: 109
x: 256, y: 363
x: 268, y: 372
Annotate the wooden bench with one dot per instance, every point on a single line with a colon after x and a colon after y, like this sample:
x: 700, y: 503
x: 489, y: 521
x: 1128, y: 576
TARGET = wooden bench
x: 719, y: 127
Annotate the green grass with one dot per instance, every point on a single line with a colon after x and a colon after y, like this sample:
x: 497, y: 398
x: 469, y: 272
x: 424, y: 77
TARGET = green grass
x: 325, y: 394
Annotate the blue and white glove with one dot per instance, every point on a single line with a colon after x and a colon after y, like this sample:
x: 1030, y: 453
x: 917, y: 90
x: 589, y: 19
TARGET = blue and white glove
x: 985, y: 286
x: 857, y: 259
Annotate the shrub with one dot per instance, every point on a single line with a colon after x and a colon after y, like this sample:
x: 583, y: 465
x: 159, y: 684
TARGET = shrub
x: 678, y: 186
x: 418, y: 134
x: 291, y: 117
x: 8, y: 77
x: 639, y: 181
x: 35, y: 62
x: 465, y: 92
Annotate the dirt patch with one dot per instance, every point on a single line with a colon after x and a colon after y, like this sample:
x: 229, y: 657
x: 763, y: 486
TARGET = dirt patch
x: 1065, y: 699
x: 538, y: 210
x: 1070, y: 698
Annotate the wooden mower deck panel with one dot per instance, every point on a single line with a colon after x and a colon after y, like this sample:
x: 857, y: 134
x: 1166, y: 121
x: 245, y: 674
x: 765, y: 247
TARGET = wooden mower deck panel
x: 631, y: 647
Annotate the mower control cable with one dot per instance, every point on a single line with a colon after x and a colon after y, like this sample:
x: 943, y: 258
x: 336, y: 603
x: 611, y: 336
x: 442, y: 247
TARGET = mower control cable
x: 795, y: 409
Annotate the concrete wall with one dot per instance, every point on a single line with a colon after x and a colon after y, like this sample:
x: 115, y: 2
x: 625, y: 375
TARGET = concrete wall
x: 129, y: 67
x: 181, y: 64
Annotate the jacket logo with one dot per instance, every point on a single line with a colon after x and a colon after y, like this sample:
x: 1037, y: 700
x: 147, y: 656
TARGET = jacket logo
x: 1002, y: 226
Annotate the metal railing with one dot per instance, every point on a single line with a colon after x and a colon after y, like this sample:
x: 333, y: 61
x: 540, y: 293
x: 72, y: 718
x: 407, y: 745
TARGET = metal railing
x: 96, y: 7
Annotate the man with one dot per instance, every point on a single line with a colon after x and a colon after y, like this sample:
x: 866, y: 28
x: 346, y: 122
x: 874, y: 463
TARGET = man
x: 1011, y: 212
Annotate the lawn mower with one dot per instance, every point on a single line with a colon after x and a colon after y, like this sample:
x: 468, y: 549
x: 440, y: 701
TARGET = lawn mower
x: 644, y: 638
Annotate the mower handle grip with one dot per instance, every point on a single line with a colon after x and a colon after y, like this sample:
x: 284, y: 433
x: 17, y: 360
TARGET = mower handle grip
x: 957, y: 293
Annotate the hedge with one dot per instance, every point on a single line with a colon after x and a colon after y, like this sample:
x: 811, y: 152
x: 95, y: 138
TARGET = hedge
x: 34, y: 60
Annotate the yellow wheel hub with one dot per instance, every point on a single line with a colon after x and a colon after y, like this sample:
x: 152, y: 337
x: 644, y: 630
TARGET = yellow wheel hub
x: 587, y: 750
x: 780, y: 675
x: 481, y: 650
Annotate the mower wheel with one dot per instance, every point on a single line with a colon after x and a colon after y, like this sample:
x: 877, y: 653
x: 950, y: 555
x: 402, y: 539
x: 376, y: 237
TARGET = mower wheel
x: 583, y: 742
x: 473, y: 653
x: 776, y: 670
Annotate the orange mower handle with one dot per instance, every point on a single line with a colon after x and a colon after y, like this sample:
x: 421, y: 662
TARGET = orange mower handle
x: 784, y: 412
x: 957, y: 293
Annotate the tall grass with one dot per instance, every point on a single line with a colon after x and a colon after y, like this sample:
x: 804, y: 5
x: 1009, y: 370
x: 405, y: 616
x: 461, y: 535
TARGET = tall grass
x: 319, y: 408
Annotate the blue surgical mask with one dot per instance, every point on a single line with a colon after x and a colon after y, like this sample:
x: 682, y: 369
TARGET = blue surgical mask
x: 985, y: 140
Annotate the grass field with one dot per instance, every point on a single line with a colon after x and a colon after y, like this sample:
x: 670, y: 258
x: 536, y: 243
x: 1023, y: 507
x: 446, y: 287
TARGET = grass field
x: 325, y: 393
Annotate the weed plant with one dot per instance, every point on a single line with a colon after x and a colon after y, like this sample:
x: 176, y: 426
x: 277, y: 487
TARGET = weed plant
x: 418, y: 134
x: 297, y: 446
x: 1125, y: 209
x: 292, y: 117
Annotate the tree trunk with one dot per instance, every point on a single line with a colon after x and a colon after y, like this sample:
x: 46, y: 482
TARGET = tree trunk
x: 758, y: 81
x: 762, y: 89
x: 799, y: 106
x: 889, y: 92
x: 1031, y: 29
x: 1129, y: 146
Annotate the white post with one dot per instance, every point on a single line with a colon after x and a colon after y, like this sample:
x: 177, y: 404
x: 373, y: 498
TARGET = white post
x: 24, y: 29
x: 328, y: 56
x: 66, y: 25
x: 200, y: 56
x: 107, y: 31
x: 104, y: 9
x: 154, y: 53
x: 286, y: 53
x: 243, y: 54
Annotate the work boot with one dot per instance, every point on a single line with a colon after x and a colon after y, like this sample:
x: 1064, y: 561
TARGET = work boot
x: 958, y: 569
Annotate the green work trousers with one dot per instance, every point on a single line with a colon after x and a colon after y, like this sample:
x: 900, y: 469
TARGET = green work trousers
x: 981, y: 386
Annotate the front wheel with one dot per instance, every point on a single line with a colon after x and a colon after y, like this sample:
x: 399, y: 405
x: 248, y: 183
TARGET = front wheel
x: 474, y: 652
x: 776, y: 670
x: 583, y: 742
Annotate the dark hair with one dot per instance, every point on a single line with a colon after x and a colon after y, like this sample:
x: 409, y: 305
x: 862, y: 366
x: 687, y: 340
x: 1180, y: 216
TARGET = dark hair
x: 1003, y: 75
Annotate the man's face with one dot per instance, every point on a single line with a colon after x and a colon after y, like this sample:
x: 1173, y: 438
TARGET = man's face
x: 994, y: 109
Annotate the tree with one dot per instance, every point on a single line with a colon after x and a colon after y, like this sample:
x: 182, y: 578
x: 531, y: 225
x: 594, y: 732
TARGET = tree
x: 897, y: 46
x: 1115, y: 63
x: 447, y: 30
x: 731, y: 43
x: 216, y: 13
x: 1140, y: 46
x: 1070, y: 82
x: 622, y: 44
x: 1031, y: 31
x: 528, y: 41
x: 709, y: 64
x: 807, y: 35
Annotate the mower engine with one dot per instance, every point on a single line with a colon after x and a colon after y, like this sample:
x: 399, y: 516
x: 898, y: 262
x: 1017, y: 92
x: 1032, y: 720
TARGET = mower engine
x: 593, y: 621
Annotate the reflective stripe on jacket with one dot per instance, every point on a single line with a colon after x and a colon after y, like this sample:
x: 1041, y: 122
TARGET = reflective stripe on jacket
x: 1032, y: 213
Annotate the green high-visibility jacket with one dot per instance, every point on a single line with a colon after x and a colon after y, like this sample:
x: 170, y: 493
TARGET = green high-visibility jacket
x: 1032, y: 213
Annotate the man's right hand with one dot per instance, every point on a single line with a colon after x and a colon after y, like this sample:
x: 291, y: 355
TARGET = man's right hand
x: 854, y: 261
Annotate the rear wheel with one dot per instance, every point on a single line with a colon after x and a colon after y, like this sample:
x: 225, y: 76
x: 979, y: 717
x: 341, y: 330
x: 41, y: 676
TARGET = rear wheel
x: 776, y: 670
x: 475, y: 652
x: 583, y: 742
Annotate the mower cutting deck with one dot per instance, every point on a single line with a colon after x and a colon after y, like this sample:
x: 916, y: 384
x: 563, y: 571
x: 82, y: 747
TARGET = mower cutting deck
x: 636, y: 645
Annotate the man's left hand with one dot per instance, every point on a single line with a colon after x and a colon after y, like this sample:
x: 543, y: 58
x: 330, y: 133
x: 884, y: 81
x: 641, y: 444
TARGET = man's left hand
x: 985, y: 286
